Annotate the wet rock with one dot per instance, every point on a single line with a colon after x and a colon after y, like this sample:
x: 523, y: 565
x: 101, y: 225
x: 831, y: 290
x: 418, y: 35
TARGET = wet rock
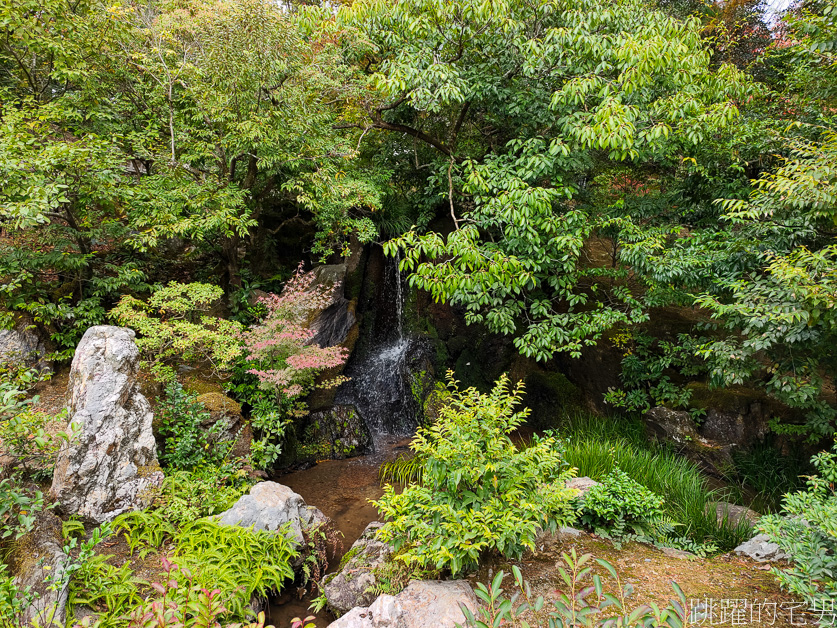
x: 582, y: 485
x: 110, y: 466
x: 233, y: 429
x: 352, y: 584
x: 23, y: 345
x: 337, y: 433
x: 423, y: 604
x: 732, y: 512
x: 41, y: 570
x: 269, y: 506
x: 761, y: 549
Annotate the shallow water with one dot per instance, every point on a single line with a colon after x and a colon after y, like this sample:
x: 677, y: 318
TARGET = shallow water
x: 342, y: 490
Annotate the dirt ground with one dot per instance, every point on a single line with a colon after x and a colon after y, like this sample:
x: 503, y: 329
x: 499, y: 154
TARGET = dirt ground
x: 724, y: 590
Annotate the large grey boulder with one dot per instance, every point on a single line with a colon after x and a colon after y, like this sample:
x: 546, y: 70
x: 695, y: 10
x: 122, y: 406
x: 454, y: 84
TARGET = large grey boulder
x: 423, y: 604
x: 761, y: 549
x: 110, y: 465
x: 269, y: 506
x: 352, y: 585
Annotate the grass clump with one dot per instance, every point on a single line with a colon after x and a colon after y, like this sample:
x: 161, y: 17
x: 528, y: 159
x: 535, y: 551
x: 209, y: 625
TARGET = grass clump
x: 597, y: 445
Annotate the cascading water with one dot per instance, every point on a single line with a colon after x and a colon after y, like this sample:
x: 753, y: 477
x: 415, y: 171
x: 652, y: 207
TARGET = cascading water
x: 380, y: 376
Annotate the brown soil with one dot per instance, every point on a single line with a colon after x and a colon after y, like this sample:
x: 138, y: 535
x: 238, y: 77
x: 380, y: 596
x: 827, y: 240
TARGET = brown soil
x: 721, y: 583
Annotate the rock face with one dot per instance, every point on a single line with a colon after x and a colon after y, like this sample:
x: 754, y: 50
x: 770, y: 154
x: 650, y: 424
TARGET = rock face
x: 23, y: 345
x: 269, y: 506
x: 43, y: 565
x: 678, y: 427
x: 423, y: 604
x: 761, y: 549
x: 350, y: 586
x: 111, y: 466
x: 337, y: 433
x: 735, y: 514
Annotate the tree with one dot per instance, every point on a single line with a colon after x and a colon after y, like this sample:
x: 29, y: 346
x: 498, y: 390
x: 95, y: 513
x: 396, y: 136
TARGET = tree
x: 523, y: 104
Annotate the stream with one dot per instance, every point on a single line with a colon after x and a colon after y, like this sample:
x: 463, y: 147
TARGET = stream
x: 342, y: 490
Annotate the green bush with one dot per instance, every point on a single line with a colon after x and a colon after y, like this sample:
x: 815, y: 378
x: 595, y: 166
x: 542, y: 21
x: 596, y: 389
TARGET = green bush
x: 478, y: 491
x: 807, y: 531
x: 186, y: 443
x: 619, y: 505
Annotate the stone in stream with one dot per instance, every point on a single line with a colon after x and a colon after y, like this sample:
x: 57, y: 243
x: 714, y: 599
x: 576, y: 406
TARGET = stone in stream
x: 110, y: 465
x: 423, y: 604
x: 353, y: 582
x: 269, y: 506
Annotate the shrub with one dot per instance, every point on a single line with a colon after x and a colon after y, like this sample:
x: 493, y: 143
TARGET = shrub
x: 186, y: 443
x: 174, y: 324
x: 279, y: 349
x: 807, y: 531
x: 190, y: 495
x: 618, y: 505
x: 478, y: 491
x: 270, y: 423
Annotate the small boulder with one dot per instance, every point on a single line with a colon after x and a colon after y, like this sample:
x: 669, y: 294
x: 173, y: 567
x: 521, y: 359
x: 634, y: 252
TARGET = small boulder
x: 352, y: 584
x: 337, y: 433
x: 423, y: 604
x: 761, y: 549
x: 671, y: 425
x: 269, y: 506
x: 582, y: 485
x: 22, y: 345
x: 110, y: 465
x: 734, y: 513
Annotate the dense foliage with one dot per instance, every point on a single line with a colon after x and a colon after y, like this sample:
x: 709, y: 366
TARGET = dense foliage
x: 807, y: 531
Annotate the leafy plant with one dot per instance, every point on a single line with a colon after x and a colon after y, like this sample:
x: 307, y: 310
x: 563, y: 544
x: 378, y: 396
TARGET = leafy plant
x: 592, y: 444
x: 147, y: 529
x: 478, y: 490
x: 187, y: 443
x: 204, y: 491
x: 175, y: 324
x: 19, y: 507
x: 280, y: 351
x: 239, y: 562
x: 269, y: 421
x: 580, y: 604
x: 807, y: 531
x: 618, y: 505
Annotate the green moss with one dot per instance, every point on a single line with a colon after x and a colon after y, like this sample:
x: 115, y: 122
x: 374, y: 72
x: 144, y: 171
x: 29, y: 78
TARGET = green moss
x: 218, y: 402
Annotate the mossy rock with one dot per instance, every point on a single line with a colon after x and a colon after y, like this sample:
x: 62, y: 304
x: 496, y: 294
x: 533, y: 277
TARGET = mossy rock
x: 220, y: 403
x: 435, y: 401
x: 550, y: 395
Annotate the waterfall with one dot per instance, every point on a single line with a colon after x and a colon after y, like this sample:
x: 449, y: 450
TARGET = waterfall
x: 380, y: 384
